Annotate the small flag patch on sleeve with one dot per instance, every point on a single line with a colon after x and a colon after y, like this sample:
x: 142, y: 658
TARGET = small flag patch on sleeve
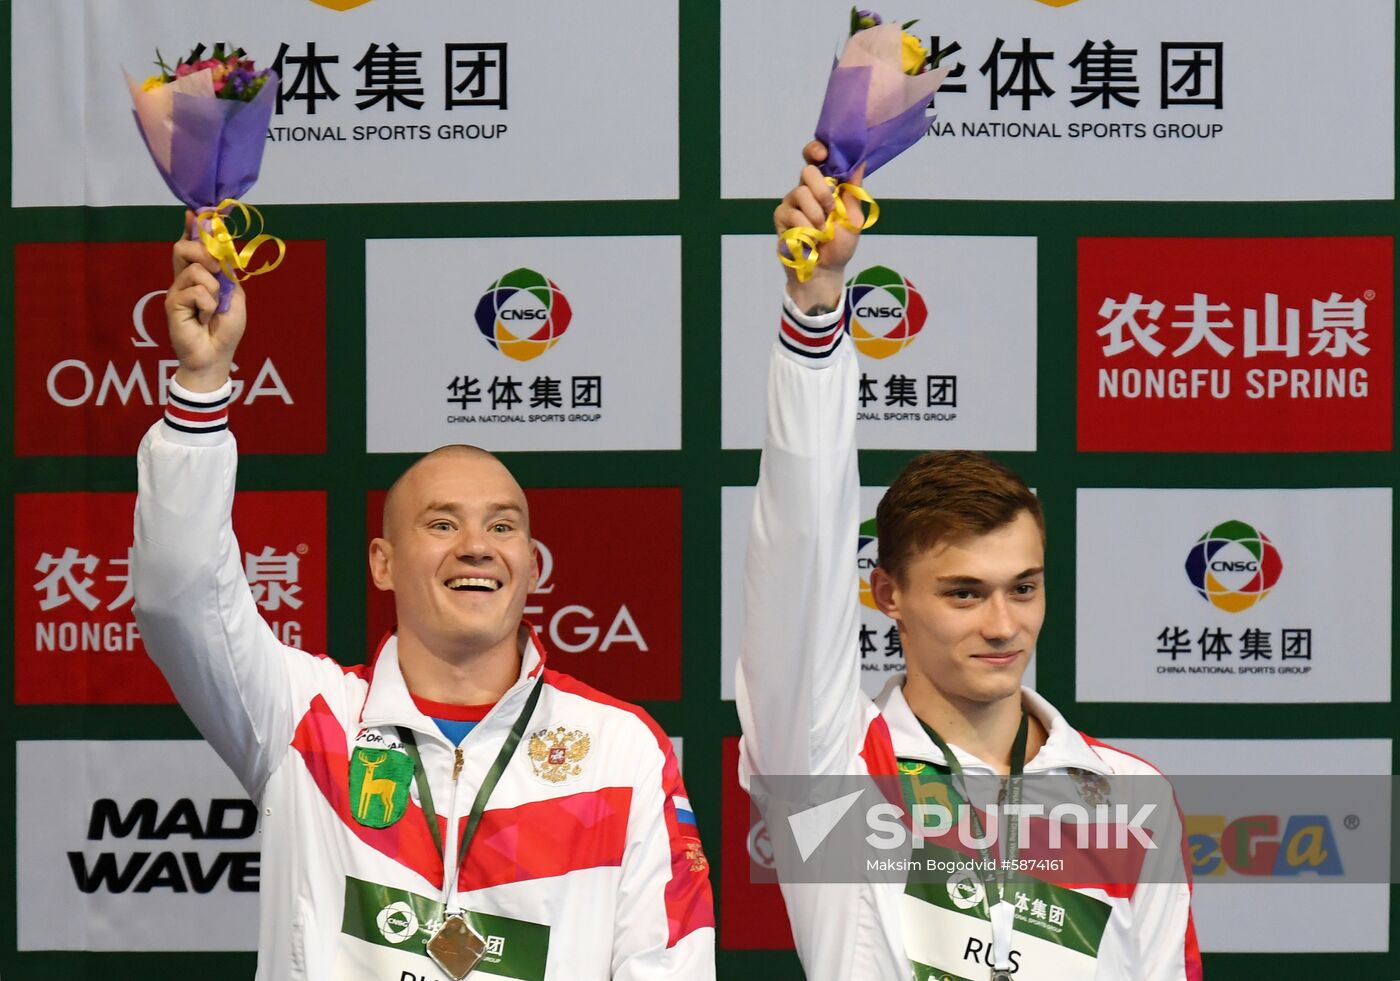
x: 684, y: 815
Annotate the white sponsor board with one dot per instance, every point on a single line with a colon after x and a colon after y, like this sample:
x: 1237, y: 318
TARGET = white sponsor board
x: 133, y: 845
x: 476, y: 103
x: 1281, y: 917
x: 1225, y: 109
x: 944, y: 327
x: 1297, y: 595
x: 879, y: 654
x: 605, y: 374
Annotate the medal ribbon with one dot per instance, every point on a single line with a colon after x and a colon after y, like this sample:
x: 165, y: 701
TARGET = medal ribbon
x: 797, y: 247
x: 221, y: 242
x: 994, y: 889
x: 493, y: 777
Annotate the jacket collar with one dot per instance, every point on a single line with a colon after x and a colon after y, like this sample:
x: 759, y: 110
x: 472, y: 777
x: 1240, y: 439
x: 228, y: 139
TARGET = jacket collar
x: 1064, y: 746
x: 389, y: 703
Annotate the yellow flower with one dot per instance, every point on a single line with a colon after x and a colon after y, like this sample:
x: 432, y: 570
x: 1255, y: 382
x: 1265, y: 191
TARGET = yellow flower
x: 913, y: 55
x: 154, y: 82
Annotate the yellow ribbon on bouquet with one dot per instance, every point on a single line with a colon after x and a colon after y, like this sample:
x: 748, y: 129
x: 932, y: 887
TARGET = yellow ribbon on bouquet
x: 797, y: 247
x: 221, y: 240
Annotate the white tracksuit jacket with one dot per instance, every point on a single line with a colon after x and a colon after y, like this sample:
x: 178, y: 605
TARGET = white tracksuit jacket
x: 803, y: 711
x: 580, y: 870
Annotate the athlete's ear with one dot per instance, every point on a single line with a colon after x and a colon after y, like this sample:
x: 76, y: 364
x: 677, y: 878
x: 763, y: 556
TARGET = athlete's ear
x: 380, y: 551
x: 886, y: 592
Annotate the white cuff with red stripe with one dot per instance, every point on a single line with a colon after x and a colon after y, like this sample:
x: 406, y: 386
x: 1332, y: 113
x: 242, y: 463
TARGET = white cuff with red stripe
x: 813, y: 338
x: 198, y: 412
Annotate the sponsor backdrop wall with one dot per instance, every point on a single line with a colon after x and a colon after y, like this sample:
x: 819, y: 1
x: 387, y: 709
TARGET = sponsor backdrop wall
x: 1146, y: 257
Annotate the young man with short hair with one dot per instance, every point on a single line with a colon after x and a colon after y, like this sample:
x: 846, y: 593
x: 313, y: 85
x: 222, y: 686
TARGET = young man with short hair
x: 452, y: 807
x: 962, y: 573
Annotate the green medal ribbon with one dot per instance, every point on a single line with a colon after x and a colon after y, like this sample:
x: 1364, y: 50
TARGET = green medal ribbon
x: 493, y: 777
x: 994, y: 889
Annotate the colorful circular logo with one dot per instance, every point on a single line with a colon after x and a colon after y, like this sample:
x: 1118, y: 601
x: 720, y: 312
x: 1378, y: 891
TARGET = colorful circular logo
x: 1234, y: 565
x: 523, y: 314
x: 867, y: 556
x: 887, y: 312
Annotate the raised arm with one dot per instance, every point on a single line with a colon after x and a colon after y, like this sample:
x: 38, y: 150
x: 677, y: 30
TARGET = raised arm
x: 799, y: 684
x: 197, y: 615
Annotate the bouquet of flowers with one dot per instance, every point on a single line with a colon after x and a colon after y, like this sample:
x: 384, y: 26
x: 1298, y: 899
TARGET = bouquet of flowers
x: 205, y: 124
x: 874, y: 109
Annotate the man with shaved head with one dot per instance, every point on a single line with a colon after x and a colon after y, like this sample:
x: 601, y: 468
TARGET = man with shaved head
x: 454, y: 807
x: 459, y: 610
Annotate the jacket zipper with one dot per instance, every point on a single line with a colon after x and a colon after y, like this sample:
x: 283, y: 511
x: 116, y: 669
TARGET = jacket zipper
x: 450, y: 842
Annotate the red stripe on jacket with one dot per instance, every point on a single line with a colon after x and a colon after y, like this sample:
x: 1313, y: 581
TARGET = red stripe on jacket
x: 320, y: 739
x: 689, y: 901
x: 544, y: 838
x: 1191, y: 953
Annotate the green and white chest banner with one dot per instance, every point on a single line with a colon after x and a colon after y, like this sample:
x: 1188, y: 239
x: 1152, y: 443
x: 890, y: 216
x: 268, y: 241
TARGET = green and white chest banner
x: 947, y: 933
x: 384, y: 931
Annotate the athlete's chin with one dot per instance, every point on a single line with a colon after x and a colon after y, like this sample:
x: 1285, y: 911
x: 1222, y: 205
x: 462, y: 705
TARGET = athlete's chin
x: 476, y: 634
x: 989, y: 690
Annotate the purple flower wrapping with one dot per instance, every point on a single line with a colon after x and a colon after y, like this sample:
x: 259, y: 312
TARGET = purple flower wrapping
x: 206, y: 149
x: 873, y: 111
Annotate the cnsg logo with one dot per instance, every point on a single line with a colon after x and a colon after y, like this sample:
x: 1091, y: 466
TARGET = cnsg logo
x: 523, y: 314
x: 965, y: 890
x: 397, y: 922
x: 867, y: 557
x: 1234, y: 565
x: 887, y: 312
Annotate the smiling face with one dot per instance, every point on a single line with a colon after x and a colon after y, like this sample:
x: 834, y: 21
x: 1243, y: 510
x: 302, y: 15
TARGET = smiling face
x: 969, y: 610
x: 457, y: 554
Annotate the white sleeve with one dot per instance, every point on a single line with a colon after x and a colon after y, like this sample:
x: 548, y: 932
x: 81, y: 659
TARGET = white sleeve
x: 195, y: 611
x: 798, y: 685
x: 665, y: 915
x: 1163, y: 931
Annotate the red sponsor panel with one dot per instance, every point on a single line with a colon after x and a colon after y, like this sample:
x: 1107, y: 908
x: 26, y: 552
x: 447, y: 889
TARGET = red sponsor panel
x: 75, y: 639
x: 93, y: 358
x: 752, y: 914
x: 1235, y: 345
x: 608, y: 602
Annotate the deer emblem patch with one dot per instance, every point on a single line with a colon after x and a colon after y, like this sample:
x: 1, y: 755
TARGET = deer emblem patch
x: 379, y: 781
